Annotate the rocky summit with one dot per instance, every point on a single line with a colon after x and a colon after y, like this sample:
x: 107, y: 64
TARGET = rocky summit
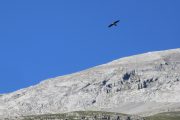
x: 142, y: 85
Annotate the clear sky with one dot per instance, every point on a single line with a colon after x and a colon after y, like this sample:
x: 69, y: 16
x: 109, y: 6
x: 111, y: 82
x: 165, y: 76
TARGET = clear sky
x: 40, y: 39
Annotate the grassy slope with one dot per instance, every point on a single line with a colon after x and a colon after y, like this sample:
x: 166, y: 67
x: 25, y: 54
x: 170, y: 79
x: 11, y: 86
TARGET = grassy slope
x: 96, y: 115
x: 165, y: 116
x: 99, y: 115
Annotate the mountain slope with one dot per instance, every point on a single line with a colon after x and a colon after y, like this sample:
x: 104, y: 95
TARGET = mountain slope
x: 165, y: 116
x: 143, y: 84
x: 81, y: 115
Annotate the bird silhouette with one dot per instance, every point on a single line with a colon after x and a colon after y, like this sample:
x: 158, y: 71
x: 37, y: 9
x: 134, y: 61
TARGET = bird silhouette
x: 114, y: 23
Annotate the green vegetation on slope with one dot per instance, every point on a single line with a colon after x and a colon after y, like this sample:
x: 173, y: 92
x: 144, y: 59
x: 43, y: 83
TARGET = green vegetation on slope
x: 165, y: 116
x: 84, y: 115
x: 99, y: 115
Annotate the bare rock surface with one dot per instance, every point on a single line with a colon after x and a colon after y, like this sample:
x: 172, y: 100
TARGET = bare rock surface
x: 143, y: 85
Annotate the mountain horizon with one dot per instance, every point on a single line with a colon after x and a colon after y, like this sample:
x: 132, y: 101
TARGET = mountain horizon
x: 143, y: 85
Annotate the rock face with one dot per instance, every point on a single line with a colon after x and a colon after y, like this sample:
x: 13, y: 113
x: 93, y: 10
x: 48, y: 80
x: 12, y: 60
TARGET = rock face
x: 143, y: 84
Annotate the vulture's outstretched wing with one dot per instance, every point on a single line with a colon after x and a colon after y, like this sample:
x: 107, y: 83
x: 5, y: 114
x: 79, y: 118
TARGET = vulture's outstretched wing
x: 116, y: 21
x: 110, y: 25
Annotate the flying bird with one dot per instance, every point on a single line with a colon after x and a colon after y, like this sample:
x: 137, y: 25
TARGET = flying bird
x: 114, y: 23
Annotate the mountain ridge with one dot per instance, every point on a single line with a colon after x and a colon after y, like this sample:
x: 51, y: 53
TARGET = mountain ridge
x: 143, y: 84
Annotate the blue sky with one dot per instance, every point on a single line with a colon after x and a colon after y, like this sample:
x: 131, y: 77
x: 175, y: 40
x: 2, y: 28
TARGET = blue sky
x: 40, y: 39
